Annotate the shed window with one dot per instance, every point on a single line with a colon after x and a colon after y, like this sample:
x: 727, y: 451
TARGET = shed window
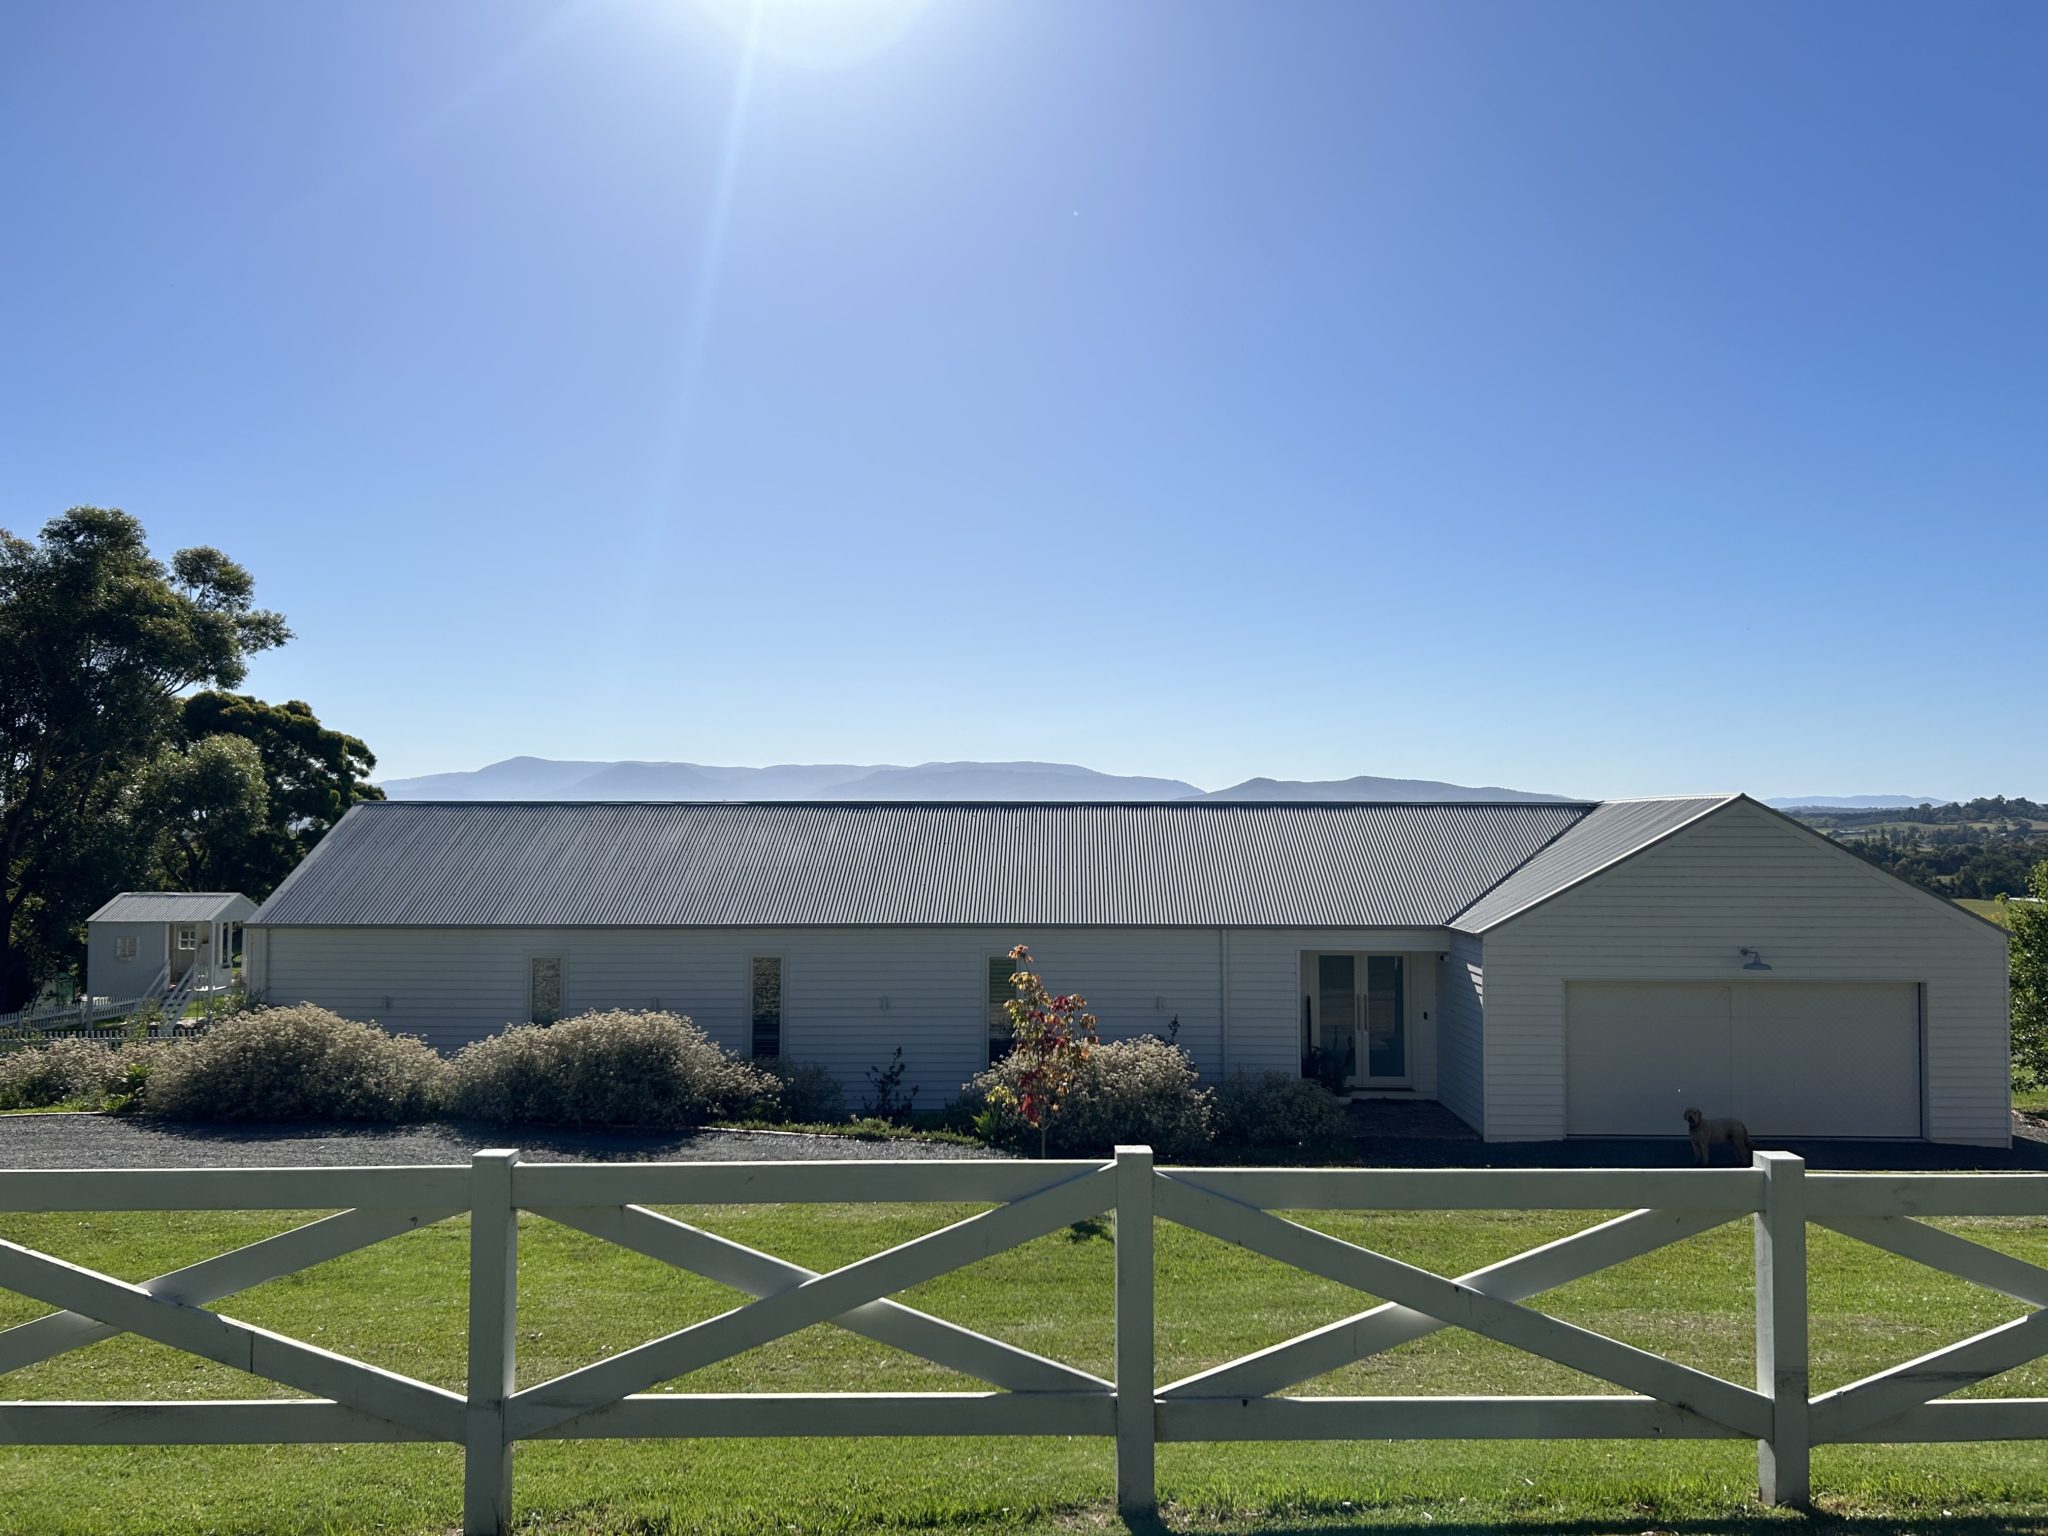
x: 1000, y: 1035
x: 188, y: 937
x: 124, y: 947
x: 767, y: 1007
x: 544, y: 984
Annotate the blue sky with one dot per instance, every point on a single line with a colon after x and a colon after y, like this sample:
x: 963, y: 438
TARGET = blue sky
x: 1612, y: 399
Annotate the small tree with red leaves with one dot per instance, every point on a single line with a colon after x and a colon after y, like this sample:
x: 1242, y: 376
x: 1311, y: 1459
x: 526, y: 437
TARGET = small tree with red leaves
x: 1052, y: 1034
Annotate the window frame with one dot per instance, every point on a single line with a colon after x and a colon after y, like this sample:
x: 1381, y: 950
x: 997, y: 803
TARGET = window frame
x: 127, y: 946
x: 561, y: 961
x: 187, y: 938
x: 781, y: 1005
x: 999, y: 1044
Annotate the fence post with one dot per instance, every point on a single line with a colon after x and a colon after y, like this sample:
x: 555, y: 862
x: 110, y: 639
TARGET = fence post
x: 1136, y: 1494
x: 1782, y: 1462
x: 493, y: 1288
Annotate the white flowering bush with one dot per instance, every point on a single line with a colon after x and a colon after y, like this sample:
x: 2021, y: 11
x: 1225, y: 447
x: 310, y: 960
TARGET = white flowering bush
x: 1273, y: 1109
x: 1140, y: 1091
x: 88, y: 1074
x: 300, y: 1063
x: 607, y: 1068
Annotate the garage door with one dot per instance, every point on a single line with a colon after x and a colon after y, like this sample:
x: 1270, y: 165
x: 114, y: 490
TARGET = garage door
x: 1787, y: 1058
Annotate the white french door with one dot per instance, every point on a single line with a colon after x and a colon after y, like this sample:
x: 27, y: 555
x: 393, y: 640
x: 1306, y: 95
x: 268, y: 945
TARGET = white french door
x: 1358, y: 1018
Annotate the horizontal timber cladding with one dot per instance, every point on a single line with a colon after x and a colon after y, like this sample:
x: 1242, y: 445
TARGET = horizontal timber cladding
x: 1461, y: 1034
x: 1683, y: 910
x: 850, y: 996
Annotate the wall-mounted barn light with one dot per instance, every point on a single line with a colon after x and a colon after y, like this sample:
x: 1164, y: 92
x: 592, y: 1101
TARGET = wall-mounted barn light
x: 1755, y: 961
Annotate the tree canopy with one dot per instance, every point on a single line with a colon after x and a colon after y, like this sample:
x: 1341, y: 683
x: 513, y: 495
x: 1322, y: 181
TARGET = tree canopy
x: 2029, y: 922
x: 116, y: 772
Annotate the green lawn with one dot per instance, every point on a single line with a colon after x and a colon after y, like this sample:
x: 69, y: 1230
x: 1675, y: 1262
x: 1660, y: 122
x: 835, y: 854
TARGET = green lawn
x: 402, y: 1305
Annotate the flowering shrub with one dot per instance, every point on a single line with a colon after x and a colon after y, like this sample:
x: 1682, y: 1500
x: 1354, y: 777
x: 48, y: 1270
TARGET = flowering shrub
x: 1130, y: 1091
x: 1275, y: 1110
x: 301, y: 1063
x: 86, y: 1073
x: 608, y: 1068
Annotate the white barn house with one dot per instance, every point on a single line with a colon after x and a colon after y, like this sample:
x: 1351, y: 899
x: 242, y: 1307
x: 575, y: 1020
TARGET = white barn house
x: 143, y: 944
x: 1543, y: 969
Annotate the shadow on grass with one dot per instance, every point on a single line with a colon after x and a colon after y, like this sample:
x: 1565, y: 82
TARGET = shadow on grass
x: 1761, y: 1521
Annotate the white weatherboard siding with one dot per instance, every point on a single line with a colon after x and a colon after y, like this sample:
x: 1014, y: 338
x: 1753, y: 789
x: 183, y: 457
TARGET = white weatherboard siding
x: 1461, y: 1077
x: 119, y: 980
x: 1679, y: 912
x: 454, y: 985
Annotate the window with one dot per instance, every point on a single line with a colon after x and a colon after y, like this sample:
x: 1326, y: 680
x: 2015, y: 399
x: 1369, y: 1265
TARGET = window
x: 767, y: 1007
x: 1000, y: 1036
x: 188, y: 937
x: 124, y: 947
x: 544, y: 988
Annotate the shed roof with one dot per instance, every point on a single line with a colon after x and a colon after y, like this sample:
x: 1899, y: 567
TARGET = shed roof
x: 798, y: 864
x: 175, y: 907
x: 1612, y: 832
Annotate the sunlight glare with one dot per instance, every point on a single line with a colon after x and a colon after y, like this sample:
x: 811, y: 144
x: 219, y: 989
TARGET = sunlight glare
x: 823, y: 34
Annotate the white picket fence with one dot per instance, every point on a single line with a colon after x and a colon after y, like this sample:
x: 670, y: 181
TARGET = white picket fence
x: 1030, y: 1394
x: 94, y: 1015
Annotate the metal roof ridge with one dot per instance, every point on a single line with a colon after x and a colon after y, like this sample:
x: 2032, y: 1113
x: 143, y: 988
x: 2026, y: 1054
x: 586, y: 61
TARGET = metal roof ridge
x: 1028, y: 805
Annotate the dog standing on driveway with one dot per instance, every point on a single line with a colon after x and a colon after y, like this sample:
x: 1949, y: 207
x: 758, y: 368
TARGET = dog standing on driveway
x: 1706, y: 1132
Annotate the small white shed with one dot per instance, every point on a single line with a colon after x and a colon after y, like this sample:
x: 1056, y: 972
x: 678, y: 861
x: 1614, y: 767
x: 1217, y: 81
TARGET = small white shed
x: 144, y: 943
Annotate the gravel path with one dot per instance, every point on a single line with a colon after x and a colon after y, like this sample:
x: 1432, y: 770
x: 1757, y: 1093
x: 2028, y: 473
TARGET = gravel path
x: 103, y: 1141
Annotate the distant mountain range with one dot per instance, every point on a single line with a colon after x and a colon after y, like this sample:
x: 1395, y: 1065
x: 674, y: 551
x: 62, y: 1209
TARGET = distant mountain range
x: 540, y: 778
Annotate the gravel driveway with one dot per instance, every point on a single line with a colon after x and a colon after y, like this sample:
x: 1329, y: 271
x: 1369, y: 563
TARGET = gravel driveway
x: 104, y: 1141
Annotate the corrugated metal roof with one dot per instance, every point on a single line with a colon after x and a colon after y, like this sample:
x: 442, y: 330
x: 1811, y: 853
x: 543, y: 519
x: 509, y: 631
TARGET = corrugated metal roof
x: 1611, y: 833
x: 174, y: 907
x: 796, y: 864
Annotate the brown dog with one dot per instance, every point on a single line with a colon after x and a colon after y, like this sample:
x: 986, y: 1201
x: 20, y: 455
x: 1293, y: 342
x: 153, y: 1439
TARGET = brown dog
x: 1706, y: 1132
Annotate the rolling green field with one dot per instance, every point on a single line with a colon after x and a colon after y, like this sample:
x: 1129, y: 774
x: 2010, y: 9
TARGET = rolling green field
x: 401, y: 1305
x: 1995, y: 911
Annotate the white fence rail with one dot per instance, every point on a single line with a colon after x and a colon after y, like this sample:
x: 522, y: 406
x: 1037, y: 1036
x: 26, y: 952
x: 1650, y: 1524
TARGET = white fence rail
x: 1030, y: 1394
x: 88, y: 1013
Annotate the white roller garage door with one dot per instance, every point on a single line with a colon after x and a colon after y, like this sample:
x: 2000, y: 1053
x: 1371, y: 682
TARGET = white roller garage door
x: 1787, y: 1058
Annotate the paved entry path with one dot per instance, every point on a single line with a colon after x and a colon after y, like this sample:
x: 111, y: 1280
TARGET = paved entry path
x: 107, y: 1141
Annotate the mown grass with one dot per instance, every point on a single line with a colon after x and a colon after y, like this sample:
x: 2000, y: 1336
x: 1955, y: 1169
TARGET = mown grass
x: 1997, y: 911
x: 401, y: 1305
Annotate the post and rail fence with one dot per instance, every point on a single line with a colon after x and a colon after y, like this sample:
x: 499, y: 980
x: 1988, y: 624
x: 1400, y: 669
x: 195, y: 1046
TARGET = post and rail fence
x: 1029, y: 1394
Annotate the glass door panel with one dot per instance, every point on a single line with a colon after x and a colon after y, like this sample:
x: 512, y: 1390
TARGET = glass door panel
x: 1337, y: 986
x: 1386, y: 1035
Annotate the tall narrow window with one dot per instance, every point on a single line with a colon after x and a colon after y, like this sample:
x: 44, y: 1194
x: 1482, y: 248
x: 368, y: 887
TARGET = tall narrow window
x: 544, y: 977
x: 1385, y: 1020
x: 1000, y: 1038
x: 767, y: 1003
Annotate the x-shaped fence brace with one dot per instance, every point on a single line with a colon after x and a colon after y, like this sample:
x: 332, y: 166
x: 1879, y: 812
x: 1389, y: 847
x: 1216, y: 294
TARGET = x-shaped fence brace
x: 171, y: 1309
x: 1878, y: 1407
x: 1487, y: 1302
x: 790, y: 1298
